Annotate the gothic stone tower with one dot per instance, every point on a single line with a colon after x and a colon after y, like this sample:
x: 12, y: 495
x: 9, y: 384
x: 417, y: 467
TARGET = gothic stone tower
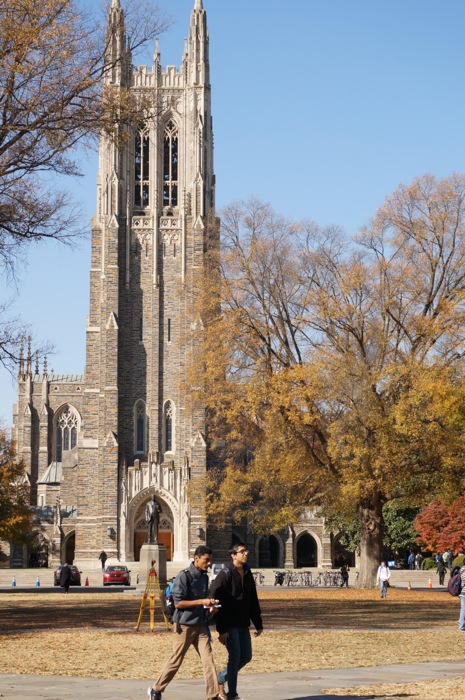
x: 140, y: 433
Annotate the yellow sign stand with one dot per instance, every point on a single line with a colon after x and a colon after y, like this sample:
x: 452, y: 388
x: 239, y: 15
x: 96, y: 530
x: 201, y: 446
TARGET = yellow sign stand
x: 152, y: 587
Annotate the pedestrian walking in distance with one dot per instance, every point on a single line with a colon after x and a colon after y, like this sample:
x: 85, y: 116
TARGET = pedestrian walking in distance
x: 382, y: 577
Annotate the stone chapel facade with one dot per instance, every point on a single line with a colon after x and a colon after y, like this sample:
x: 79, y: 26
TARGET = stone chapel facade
x: 97, y: 447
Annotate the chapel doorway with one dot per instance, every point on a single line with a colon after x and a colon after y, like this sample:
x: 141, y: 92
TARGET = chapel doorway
x: 306, y: 552
x: 268, y: 552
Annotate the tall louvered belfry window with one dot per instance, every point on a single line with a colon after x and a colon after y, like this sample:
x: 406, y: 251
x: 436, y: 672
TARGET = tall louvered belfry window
x: 141, y: 169
x: 170, y: 165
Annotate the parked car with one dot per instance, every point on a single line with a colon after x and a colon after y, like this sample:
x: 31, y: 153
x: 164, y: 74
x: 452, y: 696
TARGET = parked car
x: 116, y: 575
x: 75, y: 576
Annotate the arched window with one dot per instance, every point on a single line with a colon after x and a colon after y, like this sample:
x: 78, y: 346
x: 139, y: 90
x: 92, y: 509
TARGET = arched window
x: 66, y: 431
x: 140, y: 427
x: 141, y: 168
x: 170, y: 165
x: 168, y: 416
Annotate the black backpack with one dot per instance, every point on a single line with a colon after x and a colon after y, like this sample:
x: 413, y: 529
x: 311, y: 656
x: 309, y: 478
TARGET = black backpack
x: 169, y: 608
x: 455, y: 584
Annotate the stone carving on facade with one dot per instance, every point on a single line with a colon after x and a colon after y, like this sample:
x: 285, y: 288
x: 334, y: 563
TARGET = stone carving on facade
x: 170, y: 228
x: 57, y: 516
x: 124, y: 498
x: 142, y: 228
x: 172, y: 101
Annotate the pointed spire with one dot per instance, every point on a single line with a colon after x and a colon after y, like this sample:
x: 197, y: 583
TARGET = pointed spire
x: 45, y: 365
x: 156, y: 58
x: 117, y: 55
x: 29, y: 357
x: 37, y: 368
x: 198, y: 5
x: 21, y: 361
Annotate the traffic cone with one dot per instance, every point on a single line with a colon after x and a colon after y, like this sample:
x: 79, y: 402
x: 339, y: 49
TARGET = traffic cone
x: 87, y: 581
x: 409, y: 587
x: 38, y: 581
x: 13, y: 583
x: 430, y: 584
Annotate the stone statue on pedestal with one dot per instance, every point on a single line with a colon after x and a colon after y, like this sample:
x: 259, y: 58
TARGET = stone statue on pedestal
x: 152, y: 518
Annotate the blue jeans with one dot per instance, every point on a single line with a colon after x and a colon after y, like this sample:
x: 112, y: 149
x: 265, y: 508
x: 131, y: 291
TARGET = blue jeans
x: 462, y: 613
x: 239, y: 654
x: 382, y: 588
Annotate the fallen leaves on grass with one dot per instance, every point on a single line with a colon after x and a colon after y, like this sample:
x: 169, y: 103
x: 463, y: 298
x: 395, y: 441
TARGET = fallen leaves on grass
x: 451, y: 688
x: 115, y: 654
x: 93, y: 634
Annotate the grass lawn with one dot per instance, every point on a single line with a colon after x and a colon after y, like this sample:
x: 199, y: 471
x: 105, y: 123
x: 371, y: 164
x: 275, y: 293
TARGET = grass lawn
x: 93, y: 635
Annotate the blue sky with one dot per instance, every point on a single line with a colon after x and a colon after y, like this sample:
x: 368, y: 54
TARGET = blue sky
x: 321, y: 107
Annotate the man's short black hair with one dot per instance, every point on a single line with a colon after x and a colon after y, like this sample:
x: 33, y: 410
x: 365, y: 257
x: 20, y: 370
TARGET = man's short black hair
x: 202, y: 549
x: 233, y: 549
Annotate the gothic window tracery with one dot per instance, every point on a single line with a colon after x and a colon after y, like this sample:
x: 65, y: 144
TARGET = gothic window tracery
x: 141, y: 168
x: 66, y: 431
x: 140, y: 427
x: 170, y: 165
x: 168, y: 419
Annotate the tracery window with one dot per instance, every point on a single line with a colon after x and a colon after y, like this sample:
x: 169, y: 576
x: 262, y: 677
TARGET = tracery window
x: 168, y: 420
x: 66, y: 430
x: 170, y: 165
x: 140, y: 426
x: 141, y: 168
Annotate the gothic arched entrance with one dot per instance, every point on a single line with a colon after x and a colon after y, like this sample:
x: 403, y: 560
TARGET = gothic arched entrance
x: 165, y: 531
x: 341, y: 555
x: 38, y: 552
x: 69, y: 546
x: 268, y: 552
x: 306, y: 552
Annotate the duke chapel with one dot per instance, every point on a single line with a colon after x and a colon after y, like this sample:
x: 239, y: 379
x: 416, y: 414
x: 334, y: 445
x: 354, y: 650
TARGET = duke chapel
x: 97, y: 447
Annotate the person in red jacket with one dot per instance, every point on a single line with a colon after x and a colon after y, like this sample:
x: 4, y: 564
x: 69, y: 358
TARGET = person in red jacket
x: 235, y: 589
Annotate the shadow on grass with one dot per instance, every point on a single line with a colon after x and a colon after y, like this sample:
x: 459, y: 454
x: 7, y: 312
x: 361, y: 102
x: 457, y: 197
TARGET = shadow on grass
x: 351, y: 612
x: 355, y: 614
x: 351, y: 697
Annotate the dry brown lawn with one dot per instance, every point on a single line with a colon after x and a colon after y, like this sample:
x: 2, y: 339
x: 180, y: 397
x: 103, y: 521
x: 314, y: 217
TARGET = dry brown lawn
x: 84, y: 634
x: 450, y: 689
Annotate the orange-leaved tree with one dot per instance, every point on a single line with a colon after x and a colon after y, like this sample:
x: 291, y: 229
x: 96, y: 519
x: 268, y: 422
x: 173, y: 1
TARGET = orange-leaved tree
x: 441, y: 525
x: 334, y: 368
x: 15, y: 512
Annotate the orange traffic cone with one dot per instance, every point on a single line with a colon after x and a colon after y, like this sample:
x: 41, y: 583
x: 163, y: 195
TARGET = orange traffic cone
x: 409, y: 587
x: 87, y: 581
x: 430, y: 584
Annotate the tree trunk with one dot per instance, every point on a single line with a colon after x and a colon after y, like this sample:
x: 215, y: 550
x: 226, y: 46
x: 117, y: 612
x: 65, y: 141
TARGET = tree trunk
x: 371, y: 542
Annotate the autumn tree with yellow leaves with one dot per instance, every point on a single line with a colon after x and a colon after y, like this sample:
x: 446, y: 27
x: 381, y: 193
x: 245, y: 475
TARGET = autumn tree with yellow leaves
x: 334, y: 368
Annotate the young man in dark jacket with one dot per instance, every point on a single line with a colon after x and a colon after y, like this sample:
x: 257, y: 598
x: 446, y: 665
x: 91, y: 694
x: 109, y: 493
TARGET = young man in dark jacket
x: 235, y: 589
x: 192, y: 603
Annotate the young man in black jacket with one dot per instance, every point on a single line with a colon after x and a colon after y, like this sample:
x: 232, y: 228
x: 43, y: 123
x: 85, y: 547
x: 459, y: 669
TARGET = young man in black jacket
x: 235, y: 589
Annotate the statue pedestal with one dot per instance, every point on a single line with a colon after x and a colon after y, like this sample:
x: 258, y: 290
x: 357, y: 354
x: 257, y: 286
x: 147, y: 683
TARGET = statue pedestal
x: 149, y: 553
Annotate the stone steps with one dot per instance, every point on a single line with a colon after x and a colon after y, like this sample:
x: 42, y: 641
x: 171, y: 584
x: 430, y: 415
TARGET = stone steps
x: 28, y: 577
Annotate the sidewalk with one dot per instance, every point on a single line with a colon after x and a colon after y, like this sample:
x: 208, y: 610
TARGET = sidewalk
x: 270, y: 686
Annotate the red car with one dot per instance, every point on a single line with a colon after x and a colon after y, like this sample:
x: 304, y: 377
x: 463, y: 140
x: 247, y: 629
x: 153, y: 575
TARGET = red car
x: 116, y: 575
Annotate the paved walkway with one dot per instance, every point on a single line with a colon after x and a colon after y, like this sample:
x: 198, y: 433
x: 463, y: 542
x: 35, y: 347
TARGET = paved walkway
x: 271, y: 686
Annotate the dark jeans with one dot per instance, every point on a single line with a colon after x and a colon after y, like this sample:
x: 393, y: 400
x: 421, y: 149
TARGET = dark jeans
x: 239, y: 654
